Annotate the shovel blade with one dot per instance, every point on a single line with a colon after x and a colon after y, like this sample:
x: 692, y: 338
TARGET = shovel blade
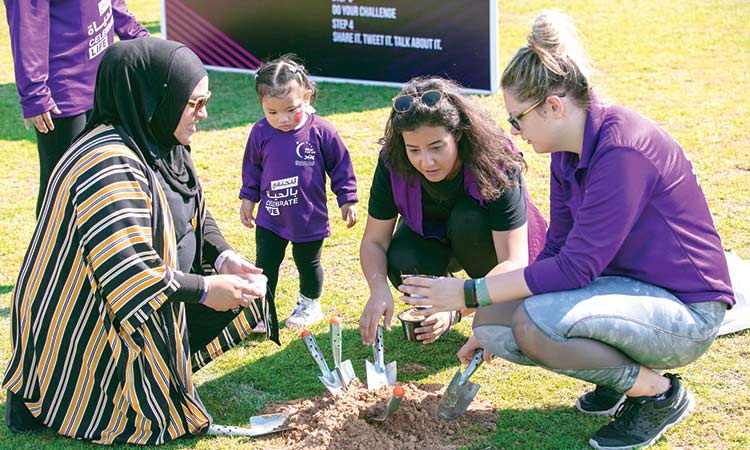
x: 390, y: 408
x: 332, y: 383
x: 346, y: 373
x: 269, y: 423
x: 390, y: 372
x: 259, y: 426
x: 457, y: 398
x: 375, y: 378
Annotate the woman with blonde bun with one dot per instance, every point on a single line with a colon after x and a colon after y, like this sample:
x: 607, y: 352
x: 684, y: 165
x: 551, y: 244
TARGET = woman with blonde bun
x: 632, y: 278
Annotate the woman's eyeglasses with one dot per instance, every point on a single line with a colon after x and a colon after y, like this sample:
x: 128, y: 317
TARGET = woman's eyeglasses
x: 199, y: 103
x: 514, y: 120
x: 405, y: 102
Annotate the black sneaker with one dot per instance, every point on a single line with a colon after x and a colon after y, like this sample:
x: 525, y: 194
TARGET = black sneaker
x: 602, y: 401
x: 641, y: 421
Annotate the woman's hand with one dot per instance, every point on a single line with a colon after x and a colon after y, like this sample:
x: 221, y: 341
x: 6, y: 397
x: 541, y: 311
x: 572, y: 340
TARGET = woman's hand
x: 227, y: 292
x: 246, y: 213
x: 349, y: 214
x: 436, y: 294
x: 380, y: 304
x: 466, y: 353
x: 236, y: 264
x: 43, y: 122
x: 433, y: 327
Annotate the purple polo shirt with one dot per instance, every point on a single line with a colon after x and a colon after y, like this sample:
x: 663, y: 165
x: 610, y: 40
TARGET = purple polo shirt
x: 630, y: 206
x: 57, y: 46
x: 285, y: 173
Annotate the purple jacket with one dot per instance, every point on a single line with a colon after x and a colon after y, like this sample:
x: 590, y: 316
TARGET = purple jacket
x: 408, y: 199
x: 285, y: 172
x: 57, y: 46
x: 631, y: 206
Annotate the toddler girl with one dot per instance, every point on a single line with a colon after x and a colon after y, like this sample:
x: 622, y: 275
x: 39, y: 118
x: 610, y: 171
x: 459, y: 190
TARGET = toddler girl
x: 287, y: 157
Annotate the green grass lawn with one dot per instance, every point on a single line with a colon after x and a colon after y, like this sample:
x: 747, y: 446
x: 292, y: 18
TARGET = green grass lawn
x: 684, y: 63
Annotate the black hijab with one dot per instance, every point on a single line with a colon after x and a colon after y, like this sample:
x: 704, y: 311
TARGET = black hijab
x: 142, y: 88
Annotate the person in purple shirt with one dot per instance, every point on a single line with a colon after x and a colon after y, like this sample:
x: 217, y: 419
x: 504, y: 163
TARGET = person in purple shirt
x: 455, y: 180
x: 632, y: 279
x: 56, y: 50
x: 287, y: 157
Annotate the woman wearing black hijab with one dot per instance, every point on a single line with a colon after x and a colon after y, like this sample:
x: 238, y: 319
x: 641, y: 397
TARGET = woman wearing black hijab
x: 116, y: 303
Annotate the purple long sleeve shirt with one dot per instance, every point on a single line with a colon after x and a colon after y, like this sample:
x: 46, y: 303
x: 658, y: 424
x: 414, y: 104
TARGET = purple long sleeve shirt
x: 57, y: 45
x: 285, y: 172
x: 630, y: 206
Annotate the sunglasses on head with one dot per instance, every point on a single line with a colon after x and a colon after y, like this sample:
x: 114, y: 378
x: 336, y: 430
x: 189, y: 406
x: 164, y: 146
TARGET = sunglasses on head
x: 405, y: 102
x: 199, y: 103
x: 514, y: 120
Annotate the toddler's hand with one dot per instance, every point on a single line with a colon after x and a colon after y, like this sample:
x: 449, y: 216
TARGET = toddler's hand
x: 246, y: 213
x: 349, y: 214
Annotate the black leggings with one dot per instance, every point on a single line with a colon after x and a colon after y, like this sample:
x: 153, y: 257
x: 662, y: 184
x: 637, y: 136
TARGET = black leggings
x: 468, y: 245
x: 270, y: 249
x: 51, y: 147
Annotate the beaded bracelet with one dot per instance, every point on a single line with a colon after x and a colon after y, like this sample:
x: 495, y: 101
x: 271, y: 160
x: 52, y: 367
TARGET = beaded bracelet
x: 483, y: 295
x: 470, y: 294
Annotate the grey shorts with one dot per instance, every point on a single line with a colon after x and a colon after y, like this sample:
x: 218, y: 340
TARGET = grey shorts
x: 646, y: 322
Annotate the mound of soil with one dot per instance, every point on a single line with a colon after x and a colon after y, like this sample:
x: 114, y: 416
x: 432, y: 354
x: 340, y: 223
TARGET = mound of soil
x: 339, y: 422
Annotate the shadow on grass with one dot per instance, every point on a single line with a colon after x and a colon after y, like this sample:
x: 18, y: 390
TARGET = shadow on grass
x: 48, y: 439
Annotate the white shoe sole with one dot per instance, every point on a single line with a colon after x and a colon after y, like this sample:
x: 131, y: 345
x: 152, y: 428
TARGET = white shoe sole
x: 307, y: 323
x: 260, y: 328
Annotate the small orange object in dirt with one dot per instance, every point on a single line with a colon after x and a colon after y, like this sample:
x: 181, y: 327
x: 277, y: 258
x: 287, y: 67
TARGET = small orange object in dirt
x: 335, y: 320
x: 305, y: 333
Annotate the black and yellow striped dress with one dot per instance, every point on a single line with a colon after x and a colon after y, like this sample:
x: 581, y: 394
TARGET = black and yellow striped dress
x: 99, y: 353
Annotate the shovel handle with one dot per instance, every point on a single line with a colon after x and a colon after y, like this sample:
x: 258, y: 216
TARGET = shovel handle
x: 336, y: 341
x: 377, y: 350
x: 476, y: 361
x: 315, y: 352
x: 392, y: 406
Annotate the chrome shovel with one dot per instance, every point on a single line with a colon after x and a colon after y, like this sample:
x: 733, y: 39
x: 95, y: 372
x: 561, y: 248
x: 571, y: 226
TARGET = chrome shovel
x: 378, y: 374
x: 329, y: 379
x: 391, y: 407
x: 259, y: 425
x: 460, y: 391
x: 344, y: 370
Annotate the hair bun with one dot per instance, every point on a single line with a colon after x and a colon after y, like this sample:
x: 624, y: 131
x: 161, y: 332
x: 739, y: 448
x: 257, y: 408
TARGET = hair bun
x: 556, y: 41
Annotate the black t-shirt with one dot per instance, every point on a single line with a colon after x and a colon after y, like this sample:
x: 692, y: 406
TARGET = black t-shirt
x: 508, y: 212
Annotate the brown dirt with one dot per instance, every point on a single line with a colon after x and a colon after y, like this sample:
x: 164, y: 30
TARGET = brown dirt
x: 339, y: 422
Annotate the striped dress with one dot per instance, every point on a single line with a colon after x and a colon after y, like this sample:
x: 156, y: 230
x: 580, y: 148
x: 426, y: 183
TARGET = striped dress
x: 99, y: 353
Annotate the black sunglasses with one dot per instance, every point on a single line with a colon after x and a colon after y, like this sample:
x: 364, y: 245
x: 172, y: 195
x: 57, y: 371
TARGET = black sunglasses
x: 514, y: 120
x: 405, y: 102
